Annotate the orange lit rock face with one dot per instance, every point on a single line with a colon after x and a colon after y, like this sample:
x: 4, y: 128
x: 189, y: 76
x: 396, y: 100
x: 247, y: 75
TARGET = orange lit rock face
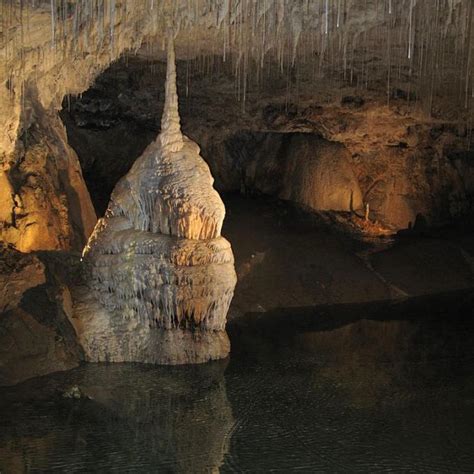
x: 319, y: 174
x: 6, y: 199
x: 44, y: 200
x: 300, y: 167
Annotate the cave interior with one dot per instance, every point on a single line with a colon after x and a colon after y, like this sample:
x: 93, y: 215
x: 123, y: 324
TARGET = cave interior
x: 236, y: 235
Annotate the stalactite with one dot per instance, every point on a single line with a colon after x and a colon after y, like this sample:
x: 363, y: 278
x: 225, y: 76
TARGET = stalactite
x: 428, y: 38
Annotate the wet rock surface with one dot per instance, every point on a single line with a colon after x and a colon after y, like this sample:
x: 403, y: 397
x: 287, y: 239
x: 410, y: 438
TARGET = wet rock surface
x: 43, y: 190
x: 36, y: 336
x: 287, y: 258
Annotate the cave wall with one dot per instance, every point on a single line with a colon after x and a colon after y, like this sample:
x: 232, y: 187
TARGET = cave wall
x: 50, y: 207
x: 404, y: 164
x: 44, y: 201
x: 36, y: 335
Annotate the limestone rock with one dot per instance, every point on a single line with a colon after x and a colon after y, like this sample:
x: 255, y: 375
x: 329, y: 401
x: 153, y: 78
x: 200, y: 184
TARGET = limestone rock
x: 6, y: 199
x: 36, y: 337
x: 18, y: 273
x: 44, y: 200
x: 318, y: 174
x: 298, y: 167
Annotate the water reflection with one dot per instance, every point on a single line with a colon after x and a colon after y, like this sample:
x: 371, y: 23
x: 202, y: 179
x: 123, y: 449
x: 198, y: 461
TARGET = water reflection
x: 356, y: 388
x: 132, y: 418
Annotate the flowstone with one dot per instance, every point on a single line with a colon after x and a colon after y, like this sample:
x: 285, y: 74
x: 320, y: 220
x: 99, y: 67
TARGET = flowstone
x: 161, y: 277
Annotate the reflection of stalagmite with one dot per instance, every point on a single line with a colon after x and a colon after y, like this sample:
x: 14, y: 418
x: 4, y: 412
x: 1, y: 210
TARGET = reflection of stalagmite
x: 182, y: 415
x: 162, y: 275
x: 159, y: 419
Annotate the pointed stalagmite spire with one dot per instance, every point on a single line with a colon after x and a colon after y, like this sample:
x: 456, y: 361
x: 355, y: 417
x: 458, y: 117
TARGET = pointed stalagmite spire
x: 162, y: 230
x: 171, y: 137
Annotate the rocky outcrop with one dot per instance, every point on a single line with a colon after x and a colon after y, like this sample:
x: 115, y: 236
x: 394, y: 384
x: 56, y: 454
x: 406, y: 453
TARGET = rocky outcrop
x: 44, y: 200
x: 161, y: 274
x: 299, y: 167
x: 319, y: 174
x: 36, y: 337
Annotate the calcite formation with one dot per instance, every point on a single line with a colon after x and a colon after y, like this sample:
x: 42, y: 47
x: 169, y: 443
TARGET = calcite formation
x: 161, y: 275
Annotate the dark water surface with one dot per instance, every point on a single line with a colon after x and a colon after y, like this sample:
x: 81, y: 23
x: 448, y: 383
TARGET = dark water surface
x: 355, y: 388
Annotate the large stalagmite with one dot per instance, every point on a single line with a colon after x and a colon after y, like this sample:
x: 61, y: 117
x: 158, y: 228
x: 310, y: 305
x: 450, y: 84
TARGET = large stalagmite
x: 161, y: 275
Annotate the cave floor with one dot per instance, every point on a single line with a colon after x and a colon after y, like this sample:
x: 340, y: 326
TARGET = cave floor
x: 347, y: 355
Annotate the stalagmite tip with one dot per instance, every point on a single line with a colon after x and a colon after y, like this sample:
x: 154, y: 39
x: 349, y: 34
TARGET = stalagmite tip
x: 171, y: 137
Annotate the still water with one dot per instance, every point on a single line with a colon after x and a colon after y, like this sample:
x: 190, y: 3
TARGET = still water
x: 353, y: 388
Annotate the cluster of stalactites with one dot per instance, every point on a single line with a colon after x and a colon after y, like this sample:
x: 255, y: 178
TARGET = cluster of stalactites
x: 159, y: 215
x: 427, y: 43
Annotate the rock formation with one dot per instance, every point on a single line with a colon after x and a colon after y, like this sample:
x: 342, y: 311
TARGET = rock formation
x: 36, y: 337
x: 300, y: 167
x: 319, y: 174
x: 44, y: 202
x: 161, y: 274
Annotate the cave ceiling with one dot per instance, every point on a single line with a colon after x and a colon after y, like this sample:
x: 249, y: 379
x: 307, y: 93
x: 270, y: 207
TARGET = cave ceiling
x: 58, y: 47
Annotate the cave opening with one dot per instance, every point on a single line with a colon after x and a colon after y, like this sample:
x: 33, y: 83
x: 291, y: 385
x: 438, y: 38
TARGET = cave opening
x: 236, y: 236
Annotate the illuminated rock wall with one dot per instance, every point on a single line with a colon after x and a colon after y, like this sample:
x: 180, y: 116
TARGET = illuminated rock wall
x: 44, y: 203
